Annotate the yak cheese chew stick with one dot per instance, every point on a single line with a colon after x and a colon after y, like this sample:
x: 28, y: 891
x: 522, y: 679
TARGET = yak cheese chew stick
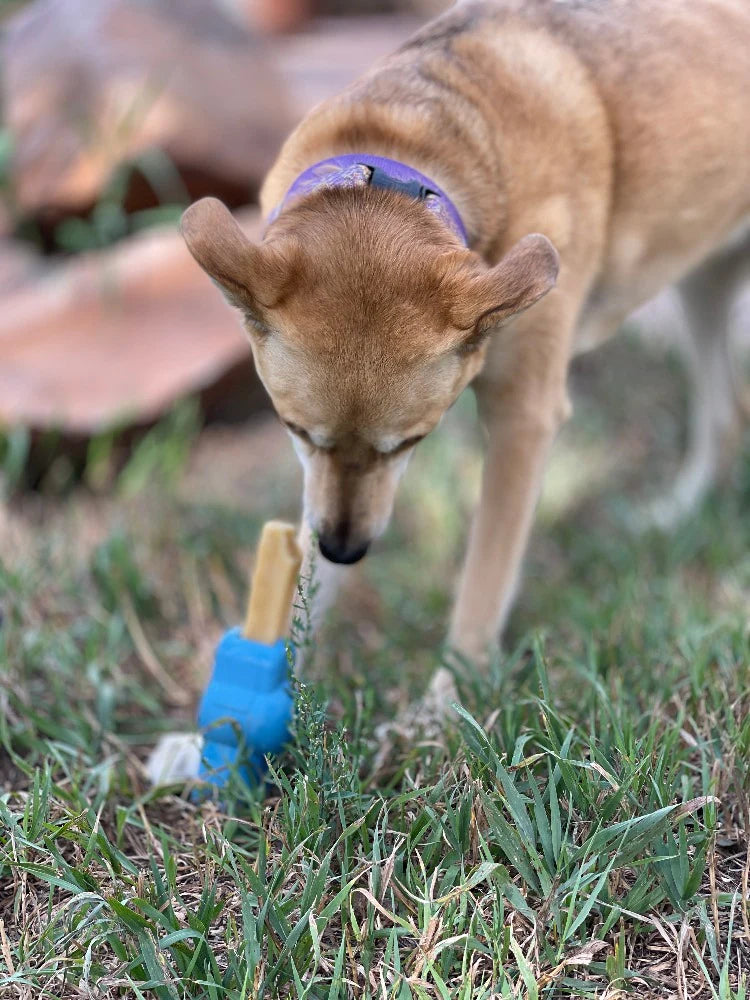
x: 274, y: 580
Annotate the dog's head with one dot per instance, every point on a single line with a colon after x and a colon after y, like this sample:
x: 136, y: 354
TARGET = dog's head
x: 366, y: 321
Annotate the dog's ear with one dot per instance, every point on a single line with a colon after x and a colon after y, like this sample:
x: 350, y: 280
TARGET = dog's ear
x: 526, y: 273
x: 250, y: 276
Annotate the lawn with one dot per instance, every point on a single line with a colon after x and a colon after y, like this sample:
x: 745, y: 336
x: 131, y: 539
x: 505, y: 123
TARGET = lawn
x: 579, y: 829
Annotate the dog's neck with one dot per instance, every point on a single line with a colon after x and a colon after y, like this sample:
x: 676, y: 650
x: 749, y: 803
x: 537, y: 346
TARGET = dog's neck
x: 352, y: 170
x: 474, y: 185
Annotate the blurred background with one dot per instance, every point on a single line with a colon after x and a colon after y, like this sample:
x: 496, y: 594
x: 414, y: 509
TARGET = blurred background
x: 136, y: 445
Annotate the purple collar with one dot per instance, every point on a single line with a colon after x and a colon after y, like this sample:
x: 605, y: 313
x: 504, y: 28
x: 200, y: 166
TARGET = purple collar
x: 358, y: 169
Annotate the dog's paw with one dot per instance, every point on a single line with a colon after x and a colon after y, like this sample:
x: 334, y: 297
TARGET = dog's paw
x: 422, y: 721
x: 664, y: 514
x: 438, y: 699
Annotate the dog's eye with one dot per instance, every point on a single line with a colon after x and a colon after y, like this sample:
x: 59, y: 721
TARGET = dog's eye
x: 405, y: 445
x: 316, y: 442
x: 257, y: 324
x: 299, y: 431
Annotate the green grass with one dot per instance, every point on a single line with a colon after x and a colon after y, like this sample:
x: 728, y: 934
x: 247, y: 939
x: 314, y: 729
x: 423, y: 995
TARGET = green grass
x: 580, y: 829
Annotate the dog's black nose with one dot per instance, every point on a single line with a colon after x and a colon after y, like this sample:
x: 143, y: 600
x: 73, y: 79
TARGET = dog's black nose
x: 336, y: 552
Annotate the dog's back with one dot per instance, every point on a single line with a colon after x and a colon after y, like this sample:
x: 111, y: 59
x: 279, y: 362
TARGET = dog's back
x: 674, y: 77
x: 635, y: 112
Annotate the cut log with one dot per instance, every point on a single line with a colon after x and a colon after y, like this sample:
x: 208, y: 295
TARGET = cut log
x: 92, y: 85
x: 117, y: 337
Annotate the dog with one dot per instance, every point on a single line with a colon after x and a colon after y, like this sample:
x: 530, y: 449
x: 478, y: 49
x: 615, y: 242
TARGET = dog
x: 483, y: 205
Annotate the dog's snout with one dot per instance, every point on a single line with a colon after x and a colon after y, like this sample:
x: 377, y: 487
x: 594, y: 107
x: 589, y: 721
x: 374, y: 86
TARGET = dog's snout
x: 336, y: 548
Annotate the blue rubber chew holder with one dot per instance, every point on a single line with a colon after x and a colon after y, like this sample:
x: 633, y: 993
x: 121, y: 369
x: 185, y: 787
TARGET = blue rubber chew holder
x: 249, y: 686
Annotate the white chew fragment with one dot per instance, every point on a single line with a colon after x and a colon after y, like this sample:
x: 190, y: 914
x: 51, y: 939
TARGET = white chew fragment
x: 176, y: 757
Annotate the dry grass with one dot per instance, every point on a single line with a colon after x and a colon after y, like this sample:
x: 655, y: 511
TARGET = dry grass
x: 580, y: 831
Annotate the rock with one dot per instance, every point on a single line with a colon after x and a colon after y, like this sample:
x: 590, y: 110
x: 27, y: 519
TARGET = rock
x: 6, y: 220
x: 90, y: 84
x: 275, y: 16
x: 326, y: 58
x: 18, y: 265
x: 117, y: 337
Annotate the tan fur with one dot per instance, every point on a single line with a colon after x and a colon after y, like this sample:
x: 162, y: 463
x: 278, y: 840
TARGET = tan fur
x: 619, y: 129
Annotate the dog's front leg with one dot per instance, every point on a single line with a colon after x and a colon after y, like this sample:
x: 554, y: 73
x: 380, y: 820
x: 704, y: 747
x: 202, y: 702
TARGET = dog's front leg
x: 320, y: 582
x: 522, y: 405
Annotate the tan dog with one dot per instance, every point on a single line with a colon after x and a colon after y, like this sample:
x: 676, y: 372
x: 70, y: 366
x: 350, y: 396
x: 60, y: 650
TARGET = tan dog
x: 619, y: 129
